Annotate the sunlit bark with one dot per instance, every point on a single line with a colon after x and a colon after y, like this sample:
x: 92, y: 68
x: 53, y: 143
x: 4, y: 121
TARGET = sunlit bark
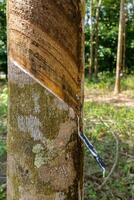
x: 45, y: 59
x: 119, y: 48
x: 97, y: 38
x: 91, y: 41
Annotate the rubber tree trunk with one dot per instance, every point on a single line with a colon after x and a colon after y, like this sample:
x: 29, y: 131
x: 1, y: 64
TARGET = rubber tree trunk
x: 124, y: 41
x: 119, y: 48
x: 91, y: 63
x: 97, y: 38
x: 45, y: 59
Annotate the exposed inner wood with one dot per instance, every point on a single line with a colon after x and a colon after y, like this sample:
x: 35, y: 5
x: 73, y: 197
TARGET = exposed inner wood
x: 45, y: 39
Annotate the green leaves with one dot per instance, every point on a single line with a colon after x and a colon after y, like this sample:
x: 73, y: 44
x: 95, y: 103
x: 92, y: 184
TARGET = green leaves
x: 3, y: 38
x: 108, y: 35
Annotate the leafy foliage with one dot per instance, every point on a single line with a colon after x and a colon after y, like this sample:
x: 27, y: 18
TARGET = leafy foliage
x: 108, y: 35
x: 3, y: 108
x: 3, y: 192
x: 3, y: 131
x: 106, y: 82
x: 3, y: 51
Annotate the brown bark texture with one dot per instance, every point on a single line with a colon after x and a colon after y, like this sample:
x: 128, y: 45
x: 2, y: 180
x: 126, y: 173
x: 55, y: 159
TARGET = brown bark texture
x: 97, y: 38
x: 120, y: 48
x: 45, y: 59
x: 124, y: 41
x: 91, y: 63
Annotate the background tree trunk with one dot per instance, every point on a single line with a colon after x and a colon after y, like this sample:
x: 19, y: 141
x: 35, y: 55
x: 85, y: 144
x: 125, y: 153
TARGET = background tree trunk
x: 97, y: 38
x: 120, y: 48
x: 91, y: 41
x: 124, y: 40
x: 45, y: 59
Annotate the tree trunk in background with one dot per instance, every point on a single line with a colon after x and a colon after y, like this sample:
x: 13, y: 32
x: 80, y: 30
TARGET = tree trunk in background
x: 120, y: 48
x: 124, y: 41
x: 97, y: 38
x: 91, y: 41
x: 45, y: 59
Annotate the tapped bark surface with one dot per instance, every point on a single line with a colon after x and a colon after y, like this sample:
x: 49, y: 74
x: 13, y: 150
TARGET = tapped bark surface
x: 45, y: 59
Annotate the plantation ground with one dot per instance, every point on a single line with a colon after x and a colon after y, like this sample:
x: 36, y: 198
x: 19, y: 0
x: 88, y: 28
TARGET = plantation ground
x: 111, y: 130
x: 109, y: 123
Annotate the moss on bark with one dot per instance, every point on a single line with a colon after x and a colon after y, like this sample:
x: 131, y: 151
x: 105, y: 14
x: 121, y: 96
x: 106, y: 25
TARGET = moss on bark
x: 43, y: 147
x: 45, y: 157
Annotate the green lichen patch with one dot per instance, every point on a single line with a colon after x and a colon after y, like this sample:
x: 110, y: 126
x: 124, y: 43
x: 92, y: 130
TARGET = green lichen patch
x: 39, y: 160
x: 42, y: 140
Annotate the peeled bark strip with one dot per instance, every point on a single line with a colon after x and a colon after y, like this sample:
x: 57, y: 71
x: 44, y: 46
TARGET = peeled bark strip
x: 45, y: 54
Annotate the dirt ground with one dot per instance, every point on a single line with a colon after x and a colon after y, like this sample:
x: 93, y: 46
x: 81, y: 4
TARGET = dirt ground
x: 125, y: 98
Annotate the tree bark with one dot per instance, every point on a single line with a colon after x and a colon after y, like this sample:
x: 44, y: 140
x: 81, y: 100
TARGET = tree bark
x: 97, y: 38
x: 119, y: 48
x: 45, y: 59
x: 124, y: 41
x: 91, y: 41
